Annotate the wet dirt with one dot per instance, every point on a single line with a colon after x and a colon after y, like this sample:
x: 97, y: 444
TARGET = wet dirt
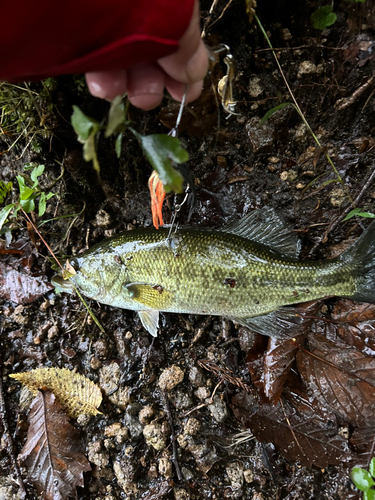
x: 237, y: 167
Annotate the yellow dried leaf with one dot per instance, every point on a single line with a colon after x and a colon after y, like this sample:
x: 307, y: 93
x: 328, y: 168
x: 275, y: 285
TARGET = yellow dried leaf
x: 75, y: 393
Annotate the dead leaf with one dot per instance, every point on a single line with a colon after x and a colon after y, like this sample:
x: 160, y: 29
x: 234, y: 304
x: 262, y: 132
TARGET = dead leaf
x: 21, y: 287
x: 355, y: 324
x: 302, y: 435
x: 341, y: 378
x: 74, y: 392
x: 269, y: 372
x: 53, y: 452
x: 18, y: 282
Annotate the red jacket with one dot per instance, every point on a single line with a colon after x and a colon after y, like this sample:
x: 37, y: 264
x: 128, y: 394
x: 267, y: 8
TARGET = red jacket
x: 45, y: 38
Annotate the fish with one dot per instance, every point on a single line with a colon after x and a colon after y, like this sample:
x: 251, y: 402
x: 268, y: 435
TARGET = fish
x: 247, y: 271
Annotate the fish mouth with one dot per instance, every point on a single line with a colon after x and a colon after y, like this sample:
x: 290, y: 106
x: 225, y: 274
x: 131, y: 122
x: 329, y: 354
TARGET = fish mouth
x: 62, y: 285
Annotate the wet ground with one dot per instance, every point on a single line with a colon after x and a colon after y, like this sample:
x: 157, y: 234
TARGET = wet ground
x: 237, y: 166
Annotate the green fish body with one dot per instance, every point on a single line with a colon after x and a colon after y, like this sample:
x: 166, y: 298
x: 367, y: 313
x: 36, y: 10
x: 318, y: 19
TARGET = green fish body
x: 247, y: 272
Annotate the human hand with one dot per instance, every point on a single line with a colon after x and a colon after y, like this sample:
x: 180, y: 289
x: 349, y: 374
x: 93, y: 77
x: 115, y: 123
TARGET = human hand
x: 144, y: 84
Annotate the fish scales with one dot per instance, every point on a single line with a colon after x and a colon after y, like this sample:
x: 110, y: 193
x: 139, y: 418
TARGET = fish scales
x: 219, y: 273
x: 209, y: 273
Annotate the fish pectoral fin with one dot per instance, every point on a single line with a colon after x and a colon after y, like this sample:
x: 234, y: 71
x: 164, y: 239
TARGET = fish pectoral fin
x: 150, y: 321
x: 282, y: 323
x: 151, y: 296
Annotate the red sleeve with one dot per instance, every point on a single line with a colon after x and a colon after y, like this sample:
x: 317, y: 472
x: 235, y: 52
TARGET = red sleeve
x: 41, y: 38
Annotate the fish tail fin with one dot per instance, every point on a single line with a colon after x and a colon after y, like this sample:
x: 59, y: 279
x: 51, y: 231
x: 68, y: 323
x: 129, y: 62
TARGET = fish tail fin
x: 361, y: 256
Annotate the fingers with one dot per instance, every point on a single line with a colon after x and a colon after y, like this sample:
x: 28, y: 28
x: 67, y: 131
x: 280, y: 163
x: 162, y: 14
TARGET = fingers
x: 177, y: 90
x: 190, y: 63
x: 146, y: 86
x: 107, y: 84
x: 145, y: 83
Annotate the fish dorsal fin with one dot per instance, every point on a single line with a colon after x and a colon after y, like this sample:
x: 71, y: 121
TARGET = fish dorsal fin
x: 265, y: 226
x: 150, y: 321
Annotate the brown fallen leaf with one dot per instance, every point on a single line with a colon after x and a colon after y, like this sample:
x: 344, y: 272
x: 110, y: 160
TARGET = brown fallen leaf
x: 20, y: 287
x: 341, y: 378
x: 74, y: 392
x: 17, y: 282
x: 355, y: 324
x: 270, y: 370
x: 301, y: 435
x: 53, y: 453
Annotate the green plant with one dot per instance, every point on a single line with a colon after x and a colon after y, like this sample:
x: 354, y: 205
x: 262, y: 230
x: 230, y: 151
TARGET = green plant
x: 161, y: 150
x: 364, y: 480
x: 360, y: 213
x: 25, y: 111
x: 323, y: 17
x: 30, y: 194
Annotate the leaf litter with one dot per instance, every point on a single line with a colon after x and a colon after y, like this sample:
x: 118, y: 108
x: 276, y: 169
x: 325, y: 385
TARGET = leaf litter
x: 18, y: 282
x: 53, y: 452
x: 314, y: 395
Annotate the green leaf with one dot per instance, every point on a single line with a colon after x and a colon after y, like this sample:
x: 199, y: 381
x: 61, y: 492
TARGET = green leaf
x: 83, y: 125
x: 49, y: 195
x: 4, y: 190
x: 372, y: 467
x: 28, y: 205
x: 5, y: 212
x: 89, y: 152
x: 161, y: 150
x: 118, y: 144
x: 358, y: 211
x: 42, y: 204
x: 362, y: 479
x: 331, y: 181
x: 37, y: 172
x: 116, y: 115
x: 369, y: 495
x: 25, y: 191
x: 272, y: 111
x: 323, y: 17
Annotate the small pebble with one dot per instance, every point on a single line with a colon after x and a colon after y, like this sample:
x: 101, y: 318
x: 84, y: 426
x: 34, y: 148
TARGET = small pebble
x: 170, y: 377
x: 146, y: 414
x: 165, y: 467
x: 219, y: 409
x: 192, y: 427
x: 154, y: 436
x: 180, y: 494
x: 235, y: 474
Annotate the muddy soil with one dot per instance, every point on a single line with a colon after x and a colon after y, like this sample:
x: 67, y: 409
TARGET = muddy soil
x: 237, y: 167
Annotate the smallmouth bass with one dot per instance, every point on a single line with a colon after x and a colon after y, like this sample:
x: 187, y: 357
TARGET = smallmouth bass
x: 247, y: 271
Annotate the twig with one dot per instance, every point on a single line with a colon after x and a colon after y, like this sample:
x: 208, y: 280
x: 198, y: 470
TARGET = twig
x: 291, y: 429
x: 209, y: 17
x: 8, y: 437
x: 225, y: 374
x: 167, y: 409
x: 279, y: 49
x: 222, y: 13
x: 333, y: 225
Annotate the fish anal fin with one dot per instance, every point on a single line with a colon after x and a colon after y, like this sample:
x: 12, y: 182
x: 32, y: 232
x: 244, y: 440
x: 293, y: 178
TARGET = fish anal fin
x: 285, y: 322
x: 282, y: 323
x: 151, y: 296
x: 150, y: 321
